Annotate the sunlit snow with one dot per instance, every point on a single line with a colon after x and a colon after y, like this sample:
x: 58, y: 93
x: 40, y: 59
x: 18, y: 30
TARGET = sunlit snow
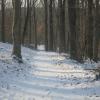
x: 45, y: 76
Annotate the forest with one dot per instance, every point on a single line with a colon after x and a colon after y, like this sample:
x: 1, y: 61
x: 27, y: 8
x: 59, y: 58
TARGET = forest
x: 57, y: 40
x: 64, y: 26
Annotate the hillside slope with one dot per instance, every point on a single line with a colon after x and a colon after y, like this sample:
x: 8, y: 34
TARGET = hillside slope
x: 45, y: 76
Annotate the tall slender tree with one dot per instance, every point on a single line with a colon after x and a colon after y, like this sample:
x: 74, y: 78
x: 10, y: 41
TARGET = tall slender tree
x: 50, y: 33
x: 35, y: 24
x: 3, y: 20
x: 90, y: 30
x: 46, y: 24
x: 17, y: 30
x: 26, y: 21
x: 72, y: 24
x: 97, y: 31
x: 61, y: 22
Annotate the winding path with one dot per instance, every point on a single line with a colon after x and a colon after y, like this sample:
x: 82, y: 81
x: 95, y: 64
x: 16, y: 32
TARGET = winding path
x: 50, y: 76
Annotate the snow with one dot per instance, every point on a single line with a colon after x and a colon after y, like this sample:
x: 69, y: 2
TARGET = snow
x: 45, y: 76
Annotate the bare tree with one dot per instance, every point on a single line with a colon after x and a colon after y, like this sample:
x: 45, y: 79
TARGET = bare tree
x: 50, y: 36
x: 26, y: 22
x: 72, y: 24
x: 90, y: 30
x: 97, y: 31
x: 17, y: 30
x: 61, y: 25
x: 35, y: 23
x: 3, y: 20
x: 46, y: 24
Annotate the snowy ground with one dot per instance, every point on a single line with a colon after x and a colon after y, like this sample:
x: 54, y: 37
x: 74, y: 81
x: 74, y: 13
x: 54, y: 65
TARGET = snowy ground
x: 45, y: 76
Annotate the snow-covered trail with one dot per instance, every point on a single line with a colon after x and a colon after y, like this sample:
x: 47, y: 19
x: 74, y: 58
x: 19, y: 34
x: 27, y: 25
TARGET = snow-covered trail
x: 45, y: 76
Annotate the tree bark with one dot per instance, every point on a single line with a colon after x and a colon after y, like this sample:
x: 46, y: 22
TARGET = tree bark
x: 3, y: 20
x: 16, y: 30
x: 46, y: 24
x: 97, y: 32
x: 72, y: 24
x: 61, y: 22
x: 26, y: 23
x: 50, y: 39
x: 35, y: 24
x: 90, y: 30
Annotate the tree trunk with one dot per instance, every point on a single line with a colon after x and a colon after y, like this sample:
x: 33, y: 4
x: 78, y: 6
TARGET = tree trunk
x: 35, y: 24
x: 30, y: 21
x: 72, y: 24
x: 3, y: 20
x: 26, y: 23
x: 16, y: 30
x: 46, y: 24
x: 50, y: 39
x: 97, y: 31
x: 79, y: 31
x: 61, y: 22
x: 90, y: 30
